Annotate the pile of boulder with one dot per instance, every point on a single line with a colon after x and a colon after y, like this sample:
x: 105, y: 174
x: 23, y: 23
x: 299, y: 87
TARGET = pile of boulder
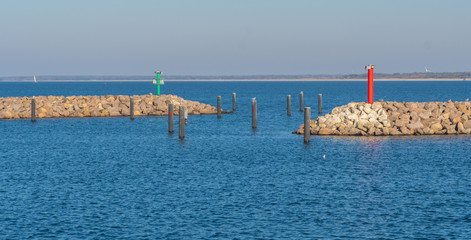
x: 98, y: 106
x: 394, y: 118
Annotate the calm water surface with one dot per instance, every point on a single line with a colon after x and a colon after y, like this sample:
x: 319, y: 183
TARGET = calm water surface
x: 112, y: 178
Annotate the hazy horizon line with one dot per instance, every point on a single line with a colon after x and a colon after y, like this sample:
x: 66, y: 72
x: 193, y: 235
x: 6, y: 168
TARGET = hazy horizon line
x: 226, y: 76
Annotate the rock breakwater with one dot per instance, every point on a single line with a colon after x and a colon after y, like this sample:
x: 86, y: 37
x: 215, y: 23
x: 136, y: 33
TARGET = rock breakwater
x: 394, y: 118
x: 98, y: 106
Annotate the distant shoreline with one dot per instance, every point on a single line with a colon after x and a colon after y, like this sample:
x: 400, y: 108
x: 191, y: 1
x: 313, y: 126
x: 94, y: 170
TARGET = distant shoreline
x: 416, y: 76
x: 262, y: 80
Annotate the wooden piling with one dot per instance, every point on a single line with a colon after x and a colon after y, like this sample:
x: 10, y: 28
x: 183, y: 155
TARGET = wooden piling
x: 254, y: 113
x: 307, y: 124
x: 131, y: 108
x: 233, y: 101
x: 219, y: 107
x: 33, y: 110
x: 181, y: 122
x: 319, y: 100
x: 301, y: 101
x: 288, y: 101
x: 170, y: 117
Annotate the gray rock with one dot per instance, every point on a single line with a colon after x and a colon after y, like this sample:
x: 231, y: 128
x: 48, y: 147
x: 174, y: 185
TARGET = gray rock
x: 415, y: 125
x: 451, y: 129
x: 436, y: 127
x: 335, y: 120
x: 404, y: 130
x: 325, y: 131
x: 352, y: 117
x: 467, y: 124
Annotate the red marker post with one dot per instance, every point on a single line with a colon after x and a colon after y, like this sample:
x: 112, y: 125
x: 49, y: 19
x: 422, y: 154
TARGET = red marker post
x: 370, y: 82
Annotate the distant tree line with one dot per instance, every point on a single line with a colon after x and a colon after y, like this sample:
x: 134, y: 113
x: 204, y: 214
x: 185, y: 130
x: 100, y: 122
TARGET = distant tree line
x: 416, y: 75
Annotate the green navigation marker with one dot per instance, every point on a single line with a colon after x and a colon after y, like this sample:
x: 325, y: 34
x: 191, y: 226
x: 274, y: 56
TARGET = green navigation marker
x: 158, y: 81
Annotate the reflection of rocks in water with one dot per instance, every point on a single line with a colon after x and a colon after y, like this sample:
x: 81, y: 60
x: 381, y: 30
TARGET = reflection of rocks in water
x: 393, y: 118
x: 97, y: 106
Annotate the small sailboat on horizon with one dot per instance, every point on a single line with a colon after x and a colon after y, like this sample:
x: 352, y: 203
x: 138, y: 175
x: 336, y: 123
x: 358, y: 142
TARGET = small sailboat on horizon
x: 34, y: 79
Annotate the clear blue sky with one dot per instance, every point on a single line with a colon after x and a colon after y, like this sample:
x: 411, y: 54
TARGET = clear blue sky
x: 233, y: 37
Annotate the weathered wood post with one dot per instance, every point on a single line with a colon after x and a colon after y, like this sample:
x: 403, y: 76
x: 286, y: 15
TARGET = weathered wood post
x: 181, y: 122
x: 33, y: 110
x: 219, y: 106
x: 288, y: 101
x: 131, y: 107
x: 301, y: 101
x: 170, y: 117
x: 307, y: 124
x: 319, y: 100
x: 254, y: 113
x: 186, y: 116
x: 233, y: 101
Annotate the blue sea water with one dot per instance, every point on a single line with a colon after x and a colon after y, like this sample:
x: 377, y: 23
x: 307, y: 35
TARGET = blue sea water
x: 113, y: 178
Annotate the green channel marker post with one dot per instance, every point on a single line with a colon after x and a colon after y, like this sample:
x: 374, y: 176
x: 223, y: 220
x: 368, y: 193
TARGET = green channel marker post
x: 158, y: 81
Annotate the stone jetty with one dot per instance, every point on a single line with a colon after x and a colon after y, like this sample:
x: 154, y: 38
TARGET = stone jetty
x: 98, y: 106
x: 394, y: 118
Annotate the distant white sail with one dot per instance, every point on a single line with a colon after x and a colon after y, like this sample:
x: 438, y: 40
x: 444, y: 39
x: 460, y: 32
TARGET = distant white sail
x: 35, y: 79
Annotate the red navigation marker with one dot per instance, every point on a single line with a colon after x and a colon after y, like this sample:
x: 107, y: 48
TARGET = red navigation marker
x: 370, y: 82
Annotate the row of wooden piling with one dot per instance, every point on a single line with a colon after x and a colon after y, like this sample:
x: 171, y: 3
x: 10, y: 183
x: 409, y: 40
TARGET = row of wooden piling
x: 181, y: 120
x: 219, y: 109
x: 301, y: 103
x: 182, y: 113
x: 307, y: 113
